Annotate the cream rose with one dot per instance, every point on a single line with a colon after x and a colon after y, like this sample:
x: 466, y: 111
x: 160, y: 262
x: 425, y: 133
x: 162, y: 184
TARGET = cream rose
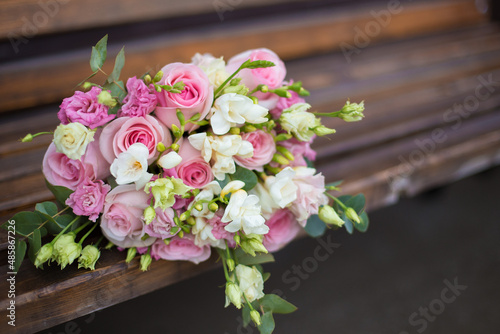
x: 251, y: 282
x: 297, y: 121
x: 72, y: 139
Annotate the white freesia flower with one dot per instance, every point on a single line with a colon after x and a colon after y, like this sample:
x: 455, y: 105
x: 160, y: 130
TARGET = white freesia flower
x: 233, y: 109
x: 231, y: 187
x: 214, y: 68
x: 281, y: 187
x: 267, y: 203
x: 243, y: 213
x: 297, y: 121
x: 170, y: 160
x: 250, y: 282
x: 203, y: 235
x: 72, y: 139
x: 131, y: 166
x: 220, y: 150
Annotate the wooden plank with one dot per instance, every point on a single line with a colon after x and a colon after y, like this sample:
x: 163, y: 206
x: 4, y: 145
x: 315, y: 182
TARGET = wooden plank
x: 18, y: 16
x: 319, y: 32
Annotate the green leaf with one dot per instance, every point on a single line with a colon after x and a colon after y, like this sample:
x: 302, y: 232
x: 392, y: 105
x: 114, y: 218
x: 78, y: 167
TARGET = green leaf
x: 35, y: 241
x: 27, y: 222
x: 334, y: 184
x: 250, y: 260
x: 265, y: 276
x: 276, y: 304
x: 363, y: 226
x: 245, y: 313
x: 309, y: 163
x: 257, y: 64
x: 20, y: 253
x: 357, y: 203
x: 246, y: 176
x: 224, y: 182
x: 61, y: 193
x: 99, y: 53
x: 117, y: 90
x: 267, y: 323
x: 347, y: 223
x: 315, y: 227
x: 119, y: 63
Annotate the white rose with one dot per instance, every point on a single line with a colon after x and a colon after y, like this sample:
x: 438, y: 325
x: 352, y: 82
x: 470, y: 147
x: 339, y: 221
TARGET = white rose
x: 234, y: 109
x: 297, y: 121
x: 72, y: 139
x: 243, y: 213
x: 214, y: 68
x: 281, y: 187
x: 251, y: 282
x: 131, y: 166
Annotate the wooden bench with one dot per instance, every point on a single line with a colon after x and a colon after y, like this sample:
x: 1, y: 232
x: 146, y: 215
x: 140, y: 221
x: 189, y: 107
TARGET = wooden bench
x: 429, y: 74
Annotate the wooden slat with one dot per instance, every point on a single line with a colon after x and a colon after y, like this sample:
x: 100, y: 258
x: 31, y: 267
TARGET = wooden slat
x: 64, y: 15
x: 318, y: 32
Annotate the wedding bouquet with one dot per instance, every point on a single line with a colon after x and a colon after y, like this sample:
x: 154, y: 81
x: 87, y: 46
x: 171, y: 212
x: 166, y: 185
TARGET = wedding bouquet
x: 199, y: 157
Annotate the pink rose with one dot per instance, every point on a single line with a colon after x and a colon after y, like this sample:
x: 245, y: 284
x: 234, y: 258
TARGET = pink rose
x: 88, y: 198
x: 121, y: 221
x: 310, y: 193
x: 180, y: 249
x: 263, y: 150
x: 140, y: 101
x: 118, y: 135
x: 285, y: 103
x: 283, y: 228
x: 193, y: 170
x: 59, y: 170
x: 84, y: 108
x: 270, y: 76
x: 162, y: 224
x: 196, y: 97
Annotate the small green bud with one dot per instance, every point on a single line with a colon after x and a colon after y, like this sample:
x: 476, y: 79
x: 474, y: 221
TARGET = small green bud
x: 264, y: 88
x: 280, y: 159
x: 180, y: 117
x: 185, y: 215
x: 181, y: 234
x: 230, y: 264
x: 88, y: 258
x: 323, y: 130
x: 176, y: 131
x: 328, y: 215
x: 237, y: 239
x: 282, y: 92
x: 198, y: 206
x: 146, y: 262
x: 234, y: 131
x: 147, y: 79
x: 255, y: 316
x: 28, y: 138
x: 272, y: 170
x: 235, y: 81
x: 213, y: 207
x: 161, y: 147
x: 352, y: 112
x: 175, y: 147
x: 149, y: 215
x: 352, y: 215
x: 248, y: 128
x: 106, y: 99
x: 191, y: 221
x: 282, y: 137
x: 166, y: 241
x: 233, y: 293
x: 303, y: 92
x: 158, y: 77
x: 86, y: 85
x: 131, y: 252
x: 254, y: 99
x: 44, y: 254
x: 285, y: 152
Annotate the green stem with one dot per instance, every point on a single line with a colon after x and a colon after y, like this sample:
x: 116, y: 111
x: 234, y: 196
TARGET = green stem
x: 88, y: 233
x: 64, y: 230
x: 99, y: 241
x: 328, y: 114
x: 219, y: 89
x: 226, y: 274
x: 81, y: 227
x: 337, y: 201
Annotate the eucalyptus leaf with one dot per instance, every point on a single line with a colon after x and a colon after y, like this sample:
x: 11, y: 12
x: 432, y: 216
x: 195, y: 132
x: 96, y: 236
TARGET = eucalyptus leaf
x: 35, y: 241
x: 99, y: 54
x: 276, y: 304
x: 250, y: 260
x: 26, y: 222
x: 61, y: 193
x: 309, y: 163
x: 347, y: 224
x: 117, y: 69
x: 224, y: 182
x: 363, y: 226
x: 20, y: 253
x: 265, y: 276
x: 267, y: 323
x: 246, y: 176
x: 357, y: 203
x: 245, y: 313
x: 117, y: 89
x: 315, y: 227
x: 334, y: 184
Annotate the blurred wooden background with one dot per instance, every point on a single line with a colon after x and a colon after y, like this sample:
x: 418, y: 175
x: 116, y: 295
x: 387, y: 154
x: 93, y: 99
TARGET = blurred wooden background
x: 429, y: 72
